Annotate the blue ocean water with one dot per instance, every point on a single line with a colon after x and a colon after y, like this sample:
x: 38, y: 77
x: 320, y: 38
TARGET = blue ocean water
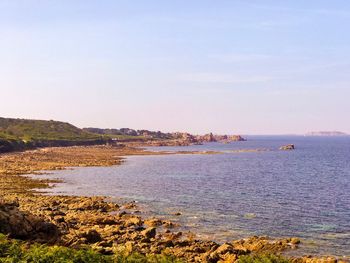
x: 303, y: 193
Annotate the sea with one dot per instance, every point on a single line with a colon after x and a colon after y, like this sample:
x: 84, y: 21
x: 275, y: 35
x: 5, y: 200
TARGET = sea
x: 264, y: 191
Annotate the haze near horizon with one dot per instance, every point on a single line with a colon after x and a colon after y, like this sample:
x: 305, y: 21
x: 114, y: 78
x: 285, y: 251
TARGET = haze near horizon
x: 263, y: 67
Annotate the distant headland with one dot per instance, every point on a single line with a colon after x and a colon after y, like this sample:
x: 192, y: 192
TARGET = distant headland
x: 24, y: 134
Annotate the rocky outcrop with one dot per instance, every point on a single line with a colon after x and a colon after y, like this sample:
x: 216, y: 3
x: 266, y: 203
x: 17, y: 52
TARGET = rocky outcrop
x: 287, y: 147
x: 206, y: 138
x: 219, y: 138
x: 158, y: 138
x: 23, y: 225
x: 186, y: 139
x: 265, y: 244
x: 236, y: 138
x: 108, y: 228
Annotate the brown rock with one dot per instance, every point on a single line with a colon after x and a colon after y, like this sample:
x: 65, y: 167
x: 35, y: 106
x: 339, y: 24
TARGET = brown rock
x: 224, y: 248
x: 22, y: 225
x: 149, y: 232
x: 133, y: 221
x: 153, y: 222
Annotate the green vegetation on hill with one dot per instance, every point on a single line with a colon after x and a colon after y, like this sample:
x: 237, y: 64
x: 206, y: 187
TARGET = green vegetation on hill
x: 131, y: 134
x: 16, y: 251
x: 126, y: 138
x: 21, y: 134
x: 42, y: 130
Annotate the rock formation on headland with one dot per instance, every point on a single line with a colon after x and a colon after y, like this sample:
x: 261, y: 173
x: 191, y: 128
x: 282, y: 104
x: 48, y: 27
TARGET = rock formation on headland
x: 219, y: 138
x: 185, y: 139
x: 182, y: 138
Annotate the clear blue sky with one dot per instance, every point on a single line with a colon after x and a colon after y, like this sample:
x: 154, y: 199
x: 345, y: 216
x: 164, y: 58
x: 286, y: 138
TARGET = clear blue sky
x: 250, y: 67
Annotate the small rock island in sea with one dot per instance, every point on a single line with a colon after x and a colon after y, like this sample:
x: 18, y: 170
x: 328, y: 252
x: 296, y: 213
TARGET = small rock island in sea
x: 287, y: 147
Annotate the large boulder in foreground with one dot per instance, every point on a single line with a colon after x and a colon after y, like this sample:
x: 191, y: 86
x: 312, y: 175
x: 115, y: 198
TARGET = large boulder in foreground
x: 25, y: 226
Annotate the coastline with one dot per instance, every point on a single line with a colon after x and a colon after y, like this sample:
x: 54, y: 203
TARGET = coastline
x: 107, y: 226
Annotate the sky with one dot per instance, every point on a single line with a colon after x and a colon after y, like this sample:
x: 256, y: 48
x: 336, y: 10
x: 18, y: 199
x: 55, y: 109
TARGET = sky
x: 226, y: 66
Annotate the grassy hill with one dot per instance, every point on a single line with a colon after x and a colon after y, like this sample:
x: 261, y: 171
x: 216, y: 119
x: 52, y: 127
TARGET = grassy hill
x: 18, y: 134
x: 42, y: 130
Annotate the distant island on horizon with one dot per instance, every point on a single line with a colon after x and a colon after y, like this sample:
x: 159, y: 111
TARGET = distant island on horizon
x: 326, y: 133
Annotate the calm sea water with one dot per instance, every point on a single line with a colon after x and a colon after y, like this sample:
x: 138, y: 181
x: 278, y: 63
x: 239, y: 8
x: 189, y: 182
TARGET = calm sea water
x: 303, y: 193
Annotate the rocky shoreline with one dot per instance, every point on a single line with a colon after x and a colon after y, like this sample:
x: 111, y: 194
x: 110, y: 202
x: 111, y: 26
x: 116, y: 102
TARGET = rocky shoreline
x: 107, y: 227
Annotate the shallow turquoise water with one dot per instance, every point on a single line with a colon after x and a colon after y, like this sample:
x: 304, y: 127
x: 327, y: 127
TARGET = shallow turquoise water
x: 304, y: 193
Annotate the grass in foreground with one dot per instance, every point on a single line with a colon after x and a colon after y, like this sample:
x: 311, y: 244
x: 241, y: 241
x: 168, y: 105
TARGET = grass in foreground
x: 12, y: 251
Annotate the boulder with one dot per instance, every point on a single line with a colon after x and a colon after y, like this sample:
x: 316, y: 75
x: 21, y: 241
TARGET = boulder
x: 25, y: 226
